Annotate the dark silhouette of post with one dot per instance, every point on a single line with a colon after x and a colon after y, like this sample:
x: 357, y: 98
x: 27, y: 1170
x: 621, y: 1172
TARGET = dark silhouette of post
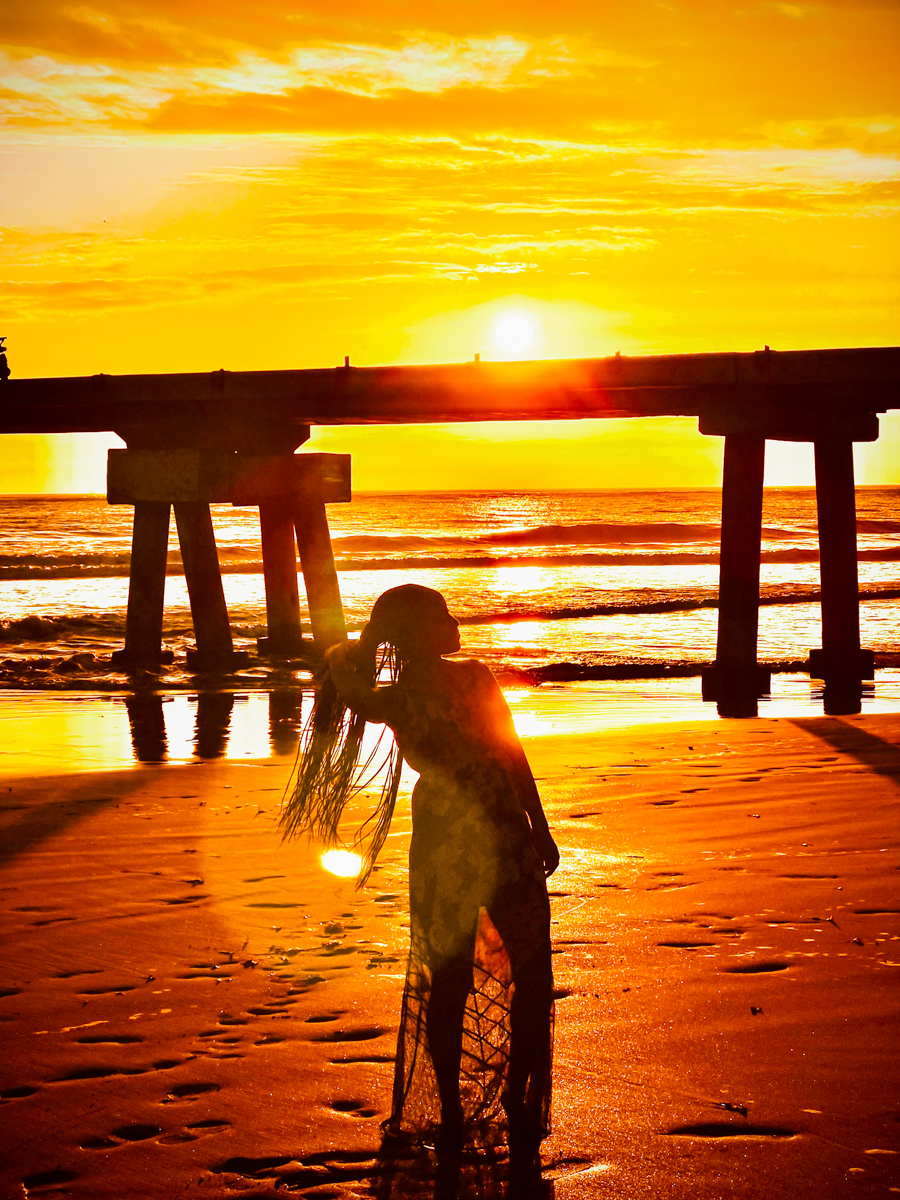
x: 146, y: 588
x: 148, y: 727
x: 736, y: 680
x: 212, y: 724
x: 285, y: 719
x: 840, y: 662
x: 276, y: 522
x: 291, y: 491
x: 215, y: 649
x: 323, y: 595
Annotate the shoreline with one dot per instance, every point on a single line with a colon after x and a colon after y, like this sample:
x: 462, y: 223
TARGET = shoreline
x: 56, y: 731
x: 86, y: 671
x: 191, y: 1007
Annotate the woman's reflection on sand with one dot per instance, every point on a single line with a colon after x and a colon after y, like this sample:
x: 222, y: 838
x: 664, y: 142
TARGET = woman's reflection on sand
x: 411, y: 1171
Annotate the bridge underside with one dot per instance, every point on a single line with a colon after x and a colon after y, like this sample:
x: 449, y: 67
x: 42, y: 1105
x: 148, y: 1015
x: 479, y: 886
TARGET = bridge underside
x: 230, y: 436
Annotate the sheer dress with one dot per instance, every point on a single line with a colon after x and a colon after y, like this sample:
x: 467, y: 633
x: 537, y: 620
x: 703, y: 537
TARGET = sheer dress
x: 477, y: 888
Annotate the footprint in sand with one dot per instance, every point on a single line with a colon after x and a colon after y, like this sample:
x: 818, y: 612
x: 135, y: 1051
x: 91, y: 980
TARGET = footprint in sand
x: 108, y: 991
x: 326, y: 1167
x: 365, y: 1034
x: 109, y: 1039
x: 100, y: 1072
x: 105, y: 1071
x: 716, y: 1130
x: 191, y: 1133
x: 214, y: 973
x: 359, y: 1108
x: 46, y: 1179
x: 17, y: 1093
x: 684, y: 945
x: 363, y: 1058
x: 756, y: 968
x: 122, y: 1135
x: 185, y: 1092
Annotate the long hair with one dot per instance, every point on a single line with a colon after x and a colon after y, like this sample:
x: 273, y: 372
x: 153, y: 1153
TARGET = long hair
x: 329, y: 770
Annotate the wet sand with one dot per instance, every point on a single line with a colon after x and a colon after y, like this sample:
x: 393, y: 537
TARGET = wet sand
x: 188, y: 1007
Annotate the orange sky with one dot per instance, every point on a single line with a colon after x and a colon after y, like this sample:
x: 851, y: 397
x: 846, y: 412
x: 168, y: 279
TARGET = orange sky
x: 210, y: 183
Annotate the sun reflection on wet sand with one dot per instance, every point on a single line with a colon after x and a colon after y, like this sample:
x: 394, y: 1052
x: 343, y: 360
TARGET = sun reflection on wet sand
x: 343, y: 863
x: 57, y: 733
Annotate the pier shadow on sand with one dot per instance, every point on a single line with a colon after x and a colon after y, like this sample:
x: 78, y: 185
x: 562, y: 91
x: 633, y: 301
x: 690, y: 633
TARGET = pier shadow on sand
x: 880, y: 756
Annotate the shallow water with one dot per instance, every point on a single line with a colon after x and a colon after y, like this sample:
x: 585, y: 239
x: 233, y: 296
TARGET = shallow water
x: 52, y: 733
x: 537, y: 578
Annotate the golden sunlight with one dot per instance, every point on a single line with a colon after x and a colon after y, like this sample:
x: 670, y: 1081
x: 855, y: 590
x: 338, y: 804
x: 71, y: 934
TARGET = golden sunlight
x: 344, y: 863
x: 513, y: 334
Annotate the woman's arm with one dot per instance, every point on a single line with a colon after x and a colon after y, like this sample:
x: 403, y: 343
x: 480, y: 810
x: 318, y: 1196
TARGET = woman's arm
x: 351, y: 667
x: 531, y: 802
x: 523, y: 779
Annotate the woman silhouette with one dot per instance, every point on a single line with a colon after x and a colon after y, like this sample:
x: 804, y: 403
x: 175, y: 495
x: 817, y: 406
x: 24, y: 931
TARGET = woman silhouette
x: 480, y: 852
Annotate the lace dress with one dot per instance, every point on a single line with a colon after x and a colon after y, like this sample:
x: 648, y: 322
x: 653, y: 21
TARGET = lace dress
x: 476, y: 885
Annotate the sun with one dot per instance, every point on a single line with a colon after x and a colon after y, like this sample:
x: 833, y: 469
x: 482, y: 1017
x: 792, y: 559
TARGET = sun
x: 513, y: 333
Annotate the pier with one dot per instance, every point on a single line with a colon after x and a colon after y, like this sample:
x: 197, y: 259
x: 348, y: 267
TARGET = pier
x: 231, y: 437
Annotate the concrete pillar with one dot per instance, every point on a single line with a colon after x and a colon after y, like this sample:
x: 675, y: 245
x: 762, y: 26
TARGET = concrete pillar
x: 736, y: 680
x: 276, y: 523
x: 215, y: 649
x: 326, y: 613
x: 146, y: 589
x: 840, y: 662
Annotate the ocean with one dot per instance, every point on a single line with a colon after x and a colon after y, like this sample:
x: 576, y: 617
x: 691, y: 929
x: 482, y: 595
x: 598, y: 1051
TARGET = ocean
x: 562, y: 589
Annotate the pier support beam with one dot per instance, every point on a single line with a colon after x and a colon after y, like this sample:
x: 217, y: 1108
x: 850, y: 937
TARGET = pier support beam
x: 323, y: 595
x: 291, y: 491
x: 215, y: 649
x: 736, y: 680
x: 840, y: 662
x: 276, y: 524
x: 146, y: 589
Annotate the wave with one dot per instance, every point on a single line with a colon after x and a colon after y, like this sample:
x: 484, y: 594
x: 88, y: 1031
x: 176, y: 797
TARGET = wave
x: 35, y: 628
x: 35, y: 566
x: 594, y: 533
x: 57, y: 629
x: 647, y: 607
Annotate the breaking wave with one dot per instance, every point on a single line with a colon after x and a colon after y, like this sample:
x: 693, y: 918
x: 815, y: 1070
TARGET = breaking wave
x: 50, y: 566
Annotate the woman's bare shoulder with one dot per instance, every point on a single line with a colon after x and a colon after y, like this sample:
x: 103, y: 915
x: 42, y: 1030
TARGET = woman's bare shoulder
x: 475, y: 672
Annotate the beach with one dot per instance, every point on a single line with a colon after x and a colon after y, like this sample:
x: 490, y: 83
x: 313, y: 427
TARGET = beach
x: 190, y: 1007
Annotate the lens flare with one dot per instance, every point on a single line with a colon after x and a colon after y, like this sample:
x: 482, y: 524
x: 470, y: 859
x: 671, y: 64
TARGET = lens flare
x: 341, y: 862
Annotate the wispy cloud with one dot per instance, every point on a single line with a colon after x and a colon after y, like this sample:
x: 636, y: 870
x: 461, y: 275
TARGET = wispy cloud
x: 691, y: 160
